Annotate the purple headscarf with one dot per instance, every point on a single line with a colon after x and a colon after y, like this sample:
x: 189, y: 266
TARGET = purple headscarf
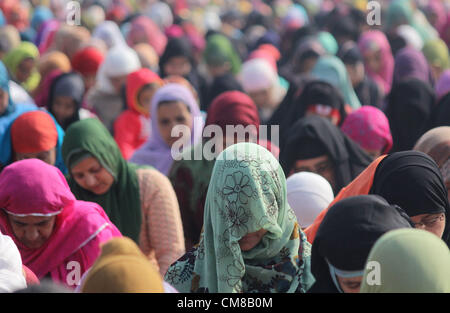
x: 411, y: 63
x: 443, y: 85
x: 155, y: 151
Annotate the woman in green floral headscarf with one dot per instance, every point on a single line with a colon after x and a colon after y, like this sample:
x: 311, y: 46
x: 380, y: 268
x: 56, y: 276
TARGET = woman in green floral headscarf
x: 436, y: 52
x: 330, y: 68
x: 251, y: 241
x: 140, y: 201
x: 219, y: 52
x: 410, y: 261
x: 21, y: 64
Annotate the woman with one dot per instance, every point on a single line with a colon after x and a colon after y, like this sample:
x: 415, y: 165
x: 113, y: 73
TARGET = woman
x: 139, y: 201
x: 109, y: 33
x: 378, y: 59
x: 436, y: 143
x: 21, y: 64
x: 442, y: 86
x: 190, y: 176
x: 441, y: 112
x: 11, y: 271
x: 410, y: 261
x: 331, y: 69
x: 246, y: 230
x: 436, y: 52
x: 54, y: 232
x: 122, y: 268
x: 369, y: 127
x: 87, y: 62
x: 409, y: 111
x: 131, y: 128
x: 69, y: 39
x: 410, y: 63
x: 66, y: 99
x: 315, y: 145
x: 409, y: 179
x: 172, y: 105
x: 145, y: 30
x: 105, y: 97
x: 344, y: 239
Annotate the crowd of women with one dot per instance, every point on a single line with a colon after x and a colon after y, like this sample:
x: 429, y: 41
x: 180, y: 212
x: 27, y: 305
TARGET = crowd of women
x: 347, y: 192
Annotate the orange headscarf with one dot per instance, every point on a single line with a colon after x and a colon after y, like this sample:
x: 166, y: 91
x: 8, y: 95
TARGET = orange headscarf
x: 361, y: 185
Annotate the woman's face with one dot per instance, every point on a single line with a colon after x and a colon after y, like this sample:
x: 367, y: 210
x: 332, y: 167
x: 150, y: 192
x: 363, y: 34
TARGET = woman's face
x: 92, y: 176
x: 179, y: 66
x: 48, y: 157
x: 4, y: 100
x: 321, y: 165
x: 171, y: 114
x: 356, y: 73
x: 32, y: 231
x: 63, y: 108
x: 24, y: 70
x: 373, y: 60
x: 434, y: 223
x: 118, y: 82
x: 250, y: 240
x: 261, y: 98
x: 145, y: 96
x: 350, y: 285
x: 89, y: 81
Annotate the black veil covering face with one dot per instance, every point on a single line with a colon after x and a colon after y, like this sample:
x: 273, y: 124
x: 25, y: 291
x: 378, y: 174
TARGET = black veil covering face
x: 347, y: 234
x: 412, y: 180
x: 311, y: 136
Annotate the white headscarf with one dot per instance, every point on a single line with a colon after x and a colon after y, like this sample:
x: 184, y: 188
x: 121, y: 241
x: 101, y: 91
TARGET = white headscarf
x: 308, y: 194
x: 257, y: 74
x: 411, y: 36
x: 11, y: 274
x: 120, y: 60
x: 109, y: 32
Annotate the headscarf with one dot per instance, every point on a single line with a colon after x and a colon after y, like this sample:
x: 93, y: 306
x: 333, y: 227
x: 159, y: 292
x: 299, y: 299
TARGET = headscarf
x: 410, y: 63
x: 346, y: 236
x: 69, y: 85
x: 369, y: 127
x: 69, y: 39
x: 87, y: 61
x: 161, y: 14
x: 15, y: 13
x: 40, y: 15
x: 11, y: 275
x: 295, y: 18
x: 219, y: 50
x: 328, y: 42
x: 314, y: 136
x: 122, y: 268
x: 176, y: 47
x: 436, y: 52
x: 411, y: 261
x: 408, y: 110
x: 148, y: 56
x: 439, y: 9
x: 257, y: 74
x: 410, y: 36
x: 441, y: 113
x: 109, y: 32
x: 135, y: 81
x: 120, y: 60
x: 375, y: 40
x: 122, y: 201
x: 308, y: 194
x: 46, y: 34
x: 221, y: 84
x: 4, y: 85
x: 155, y: 151
x: 2, y: 19
x: 42, y: 94
x: 32, y: 187
x: 143, y: 29
x: 436, y: 143
x: 13, y: 59
x: 442, y: 86
x: 9, y: 38
x: 331, y: 69
x: 51, y: 61
x: 247, y: 193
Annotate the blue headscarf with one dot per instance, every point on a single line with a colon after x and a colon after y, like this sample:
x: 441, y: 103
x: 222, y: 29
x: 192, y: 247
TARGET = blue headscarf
x: 2, y: 19
x: 40, y: 15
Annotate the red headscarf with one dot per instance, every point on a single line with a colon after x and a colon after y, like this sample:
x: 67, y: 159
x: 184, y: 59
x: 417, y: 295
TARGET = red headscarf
x: 33, y: 132
x: 87, y: 61
x: 15, y: 14
x: 135, y: 81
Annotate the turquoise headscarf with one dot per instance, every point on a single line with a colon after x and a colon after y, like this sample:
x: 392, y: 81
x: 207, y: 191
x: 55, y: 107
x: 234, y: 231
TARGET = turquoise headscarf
x: 247, y: 192
x: 410, y: 261
x: 330, y: 68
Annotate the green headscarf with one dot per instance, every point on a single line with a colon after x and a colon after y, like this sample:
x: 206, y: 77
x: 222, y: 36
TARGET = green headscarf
x: 436, y: 52
x: 247, y: 192
x: 121, y: 203
x: 13, y: 59
x: 330, y: 68
x: 328, y: 42
x: 411, y: 261
x: 219, y: 50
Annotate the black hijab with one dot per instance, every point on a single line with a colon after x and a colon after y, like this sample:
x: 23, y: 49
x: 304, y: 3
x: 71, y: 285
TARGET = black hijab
x: 412, y: 180
x: 409, y: 109
x: 311, y: 136
x: 221, y: 84
x: 441, y: 114
x: 347, y: 234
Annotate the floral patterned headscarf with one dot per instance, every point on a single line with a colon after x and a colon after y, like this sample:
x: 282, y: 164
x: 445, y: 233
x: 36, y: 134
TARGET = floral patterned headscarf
x: 247, y: 193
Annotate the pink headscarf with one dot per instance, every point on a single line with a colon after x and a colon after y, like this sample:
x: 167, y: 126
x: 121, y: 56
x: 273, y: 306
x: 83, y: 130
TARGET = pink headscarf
x: 375, y: 40
x: 369, y: 127
x: 143, y: 29
x: 33, y: 187
x: 267, y: 52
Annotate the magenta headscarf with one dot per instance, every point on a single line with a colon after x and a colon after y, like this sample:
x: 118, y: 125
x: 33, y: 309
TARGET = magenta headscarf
x: 438, y: 8
x: 33, y: 187
x: 369, y: 127
x: 411, y: 63
x: 155, y: 151
x: 375, y: 40
x: 42, y: 95
x: 143, y: 27
x: 443, y: 85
